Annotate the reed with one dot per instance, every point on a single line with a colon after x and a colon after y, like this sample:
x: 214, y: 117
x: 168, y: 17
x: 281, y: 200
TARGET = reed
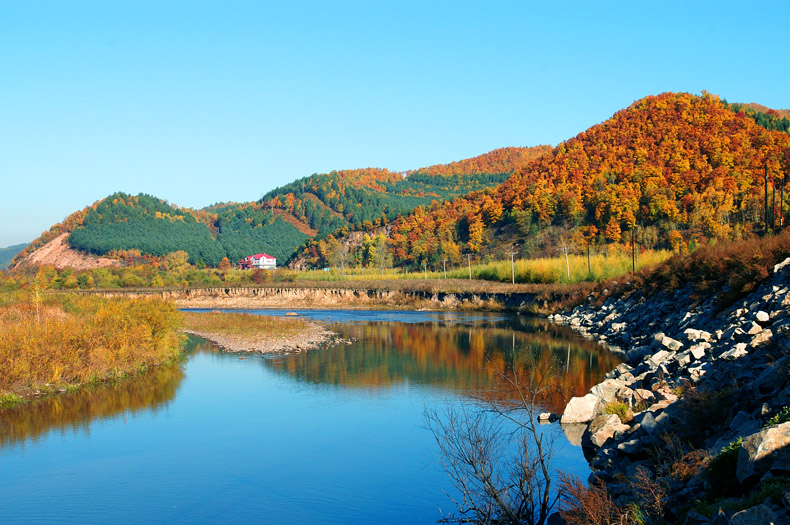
x: 64, y: 340
x: 546, y: 270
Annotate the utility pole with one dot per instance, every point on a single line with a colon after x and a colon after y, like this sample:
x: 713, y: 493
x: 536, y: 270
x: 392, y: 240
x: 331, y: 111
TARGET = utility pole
x: 469, y: 261
x: 512, y: 267
x: 444, y: 264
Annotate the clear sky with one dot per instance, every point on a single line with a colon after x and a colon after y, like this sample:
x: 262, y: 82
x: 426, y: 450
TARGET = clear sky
x: 198, y: 102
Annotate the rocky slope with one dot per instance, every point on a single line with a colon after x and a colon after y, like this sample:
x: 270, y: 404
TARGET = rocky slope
x: 699, y: 406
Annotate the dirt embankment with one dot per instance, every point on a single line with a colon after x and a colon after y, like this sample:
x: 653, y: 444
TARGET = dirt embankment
x: 59, y: 254
x: 340, y: 298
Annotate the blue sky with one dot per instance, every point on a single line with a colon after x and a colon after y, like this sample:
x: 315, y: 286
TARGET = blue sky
x: 198, y: 102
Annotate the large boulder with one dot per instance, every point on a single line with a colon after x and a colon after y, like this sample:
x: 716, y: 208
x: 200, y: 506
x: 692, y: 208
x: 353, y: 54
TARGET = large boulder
x: 760, y: 450
x: 581, y: 409
x: 757, y: 515
x: 608, y: 390
x: 602, y: 429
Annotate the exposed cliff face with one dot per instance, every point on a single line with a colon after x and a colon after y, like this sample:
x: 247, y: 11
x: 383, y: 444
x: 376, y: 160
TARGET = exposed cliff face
x: 60, y: 255
x: 339, y: 298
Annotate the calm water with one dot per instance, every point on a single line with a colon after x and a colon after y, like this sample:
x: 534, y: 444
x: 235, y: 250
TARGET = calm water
x: 329, y: 436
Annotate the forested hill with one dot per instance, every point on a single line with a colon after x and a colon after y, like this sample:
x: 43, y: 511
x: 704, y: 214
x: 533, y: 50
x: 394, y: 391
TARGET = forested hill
x: 124, y: 225
x: 324, y: 203
x: 671, y: 167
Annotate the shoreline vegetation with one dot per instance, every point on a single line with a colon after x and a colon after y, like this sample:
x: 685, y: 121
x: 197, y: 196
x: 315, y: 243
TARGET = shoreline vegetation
x: 250, y: 333
x: 136, y: 272
x: 59, y: 342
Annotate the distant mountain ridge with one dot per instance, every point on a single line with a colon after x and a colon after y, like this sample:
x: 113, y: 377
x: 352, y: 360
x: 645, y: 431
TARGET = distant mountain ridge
x: 282, y: 220
x: 8, y: 253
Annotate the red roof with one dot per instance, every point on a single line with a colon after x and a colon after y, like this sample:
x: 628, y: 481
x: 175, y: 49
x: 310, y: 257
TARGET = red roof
x: 262, y: 255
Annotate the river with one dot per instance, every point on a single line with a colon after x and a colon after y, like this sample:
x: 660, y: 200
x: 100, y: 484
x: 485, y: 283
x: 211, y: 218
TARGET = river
x: 335, y: 435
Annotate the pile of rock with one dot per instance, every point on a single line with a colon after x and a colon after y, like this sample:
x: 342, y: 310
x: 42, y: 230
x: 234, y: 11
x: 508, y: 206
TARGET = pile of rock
x: 674, y: 343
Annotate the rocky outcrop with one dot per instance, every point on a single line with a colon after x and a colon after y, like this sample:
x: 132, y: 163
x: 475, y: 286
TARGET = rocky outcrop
x: 682, y: 353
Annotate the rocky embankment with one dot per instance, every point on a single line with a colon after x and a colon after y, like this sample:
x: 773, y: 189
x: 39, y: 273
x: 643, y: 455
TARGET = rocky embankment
x: 698, y: 410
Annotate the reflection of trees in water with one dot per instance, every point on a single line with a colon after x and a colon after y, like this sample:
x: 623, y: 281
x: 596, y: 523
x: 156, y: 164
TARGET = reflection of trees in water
x: 76, y: 410
x: 465, y: 357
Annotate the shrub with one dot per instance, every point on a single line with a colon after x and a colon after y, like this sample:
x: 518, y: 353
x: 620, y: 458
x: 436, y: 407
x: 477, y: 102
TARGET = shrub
x: 721, y: 472
x: 622, y: 410
x: 783, y: 416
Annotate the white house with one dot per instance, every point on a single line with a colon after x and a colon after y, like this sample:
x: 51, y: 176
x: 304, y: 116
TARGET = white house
x: 259, y: 260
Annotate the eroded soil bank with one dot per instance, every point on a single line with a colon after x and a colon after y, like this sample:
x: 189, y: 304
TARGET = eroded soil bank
x: 343, y: 297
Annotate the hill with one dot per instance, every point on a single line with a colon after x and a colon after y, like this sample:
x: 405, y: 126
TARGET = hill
x: 673, y: 168
x: 125, y: 226
x: 7, y: 253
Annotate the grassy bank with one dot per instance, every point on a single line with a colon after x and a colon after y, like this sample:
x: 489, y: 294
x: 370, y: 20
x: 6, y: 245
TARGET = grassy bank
x: 63, y: 340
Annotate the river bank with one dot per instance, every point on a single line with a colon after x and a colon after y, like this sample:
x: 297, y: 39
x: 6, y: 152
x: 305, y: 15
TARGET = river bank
x: 439, y: 295
x: 57, y: 342
x: 697, y: 417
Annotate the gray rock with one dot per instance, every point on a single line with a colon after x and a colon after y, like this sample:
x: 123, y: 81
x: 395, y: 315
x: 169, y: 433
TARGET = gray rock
x: 630, y: 447
x: 684, y: 358
x: 738, y: 351
x: 602, y: 429
x: 761, y: 338
x: 757, y: 451
x: 762, y: 317
x: 695, y: 518
x: 757, y: 515
x: 752, y: 328
x: 648, y: 423
x: 671, y: 344
x: 617, y: 327
x: 782, y: 265
x: 694, y: 335
x: 645, y: 396
x: 607, y: 390
x: 660, y: 356
x: 637, y: 353
x: 698, y: 351
x: 657, y: 338
x: 581, y: 409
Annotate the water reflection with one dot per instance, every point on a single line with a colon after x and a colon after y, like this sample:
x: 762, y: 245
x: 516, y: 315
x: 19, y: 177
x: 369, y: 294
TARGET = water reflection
x: 75, y: 410
x: 469, y: 356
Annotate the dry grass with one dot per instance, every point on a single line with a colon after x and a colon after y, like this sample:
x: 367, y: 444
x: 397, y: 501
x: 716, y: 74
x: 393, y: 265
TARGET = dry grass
x: 244, y: 325
x: 548, y: 270
x: 736, y: 266
x: 74, y: 340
